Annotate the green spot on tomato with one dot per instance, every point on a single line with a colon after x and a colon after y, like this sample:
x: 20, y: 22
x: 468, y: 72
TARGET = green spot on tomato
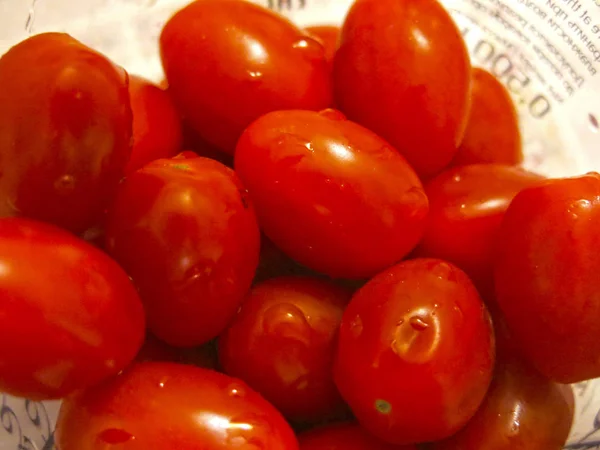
x: 382, y: 406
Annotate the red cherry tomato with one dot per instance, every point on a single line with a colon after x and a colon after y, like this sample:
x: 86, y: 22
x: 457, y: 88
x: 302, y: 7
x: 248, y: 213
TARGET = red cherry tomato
x: 415, y: 353
x: 282, y: 344
x: 522, y: 411
x: 403, y: 71
x: 65, y: 130
x: 329, y: 36
x: 466, y: 206
x: 230, y: 61
x: 156, y: 126
x: 492, y: 134
x: 184, y: 229
x: 69, y: 315
x: 166, y: 406
x: 330, y: 193
x: 344, y: 436
x: 546, y: 276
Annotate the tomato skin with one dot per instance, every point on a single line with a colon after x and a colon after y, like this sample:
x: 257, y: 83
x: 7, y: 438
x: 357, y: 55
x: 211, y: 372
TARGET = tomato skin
x: 523, y: 410
x: 492, y: 134
x: 156, y: 127
x: 282, y: 343
x: 65, y: 335
x: 329, y: 36
x: 547, y: 272
x: 423, y: 338
x: 230, y: 61
x: 466, y: 206
x: 166, y: 406
x: 65, y: 131
x: 403, y: 71
x: 187, y: 234
x: 344, y: 436
x: 331, y: 194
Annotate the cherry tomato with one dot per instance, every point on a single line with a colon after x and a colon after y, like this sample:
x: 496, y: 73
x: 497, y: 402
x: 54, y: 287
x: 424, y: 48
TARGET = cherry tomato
x: 546, y: 276
x: 344, y: 436
x: 166, y: 406
x: 415, y: 353
x: 282, y: 344
x: 329, y: 36
x: 156, y: 125
x: 156, y: 350
x: 492, y: 134
x: 466, y: 207
x: 403, y: 71
x: 65, y: 130
x: 230, y: 61
x: 69, y: 315
x: 330, y: 193
x: 185, y: 231
x: 522, y: 411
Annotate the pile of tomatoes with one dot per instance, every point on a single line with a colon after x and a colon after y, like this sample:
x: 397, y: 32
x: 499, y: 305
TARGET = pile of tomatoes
x: 315, y: 239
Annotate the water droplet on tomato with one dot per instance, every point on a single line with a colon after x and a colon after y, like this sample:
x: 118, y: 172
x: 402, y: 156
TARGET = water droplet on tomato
x: 241, y: 431
x: 114, y: 436
x: 333, y: 114
x: 236, y: 390
x: 255, y: 74
x: 65, y: 183
x: 356, y: 327
x: 285, y: 320
x: 443, y: 271
x: 418, y: 323
x: 310, y: 47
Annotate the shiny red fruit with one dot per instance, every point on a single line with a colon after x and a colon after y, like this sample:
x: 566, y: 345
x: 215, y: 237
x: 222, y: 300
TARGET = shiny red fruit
x: 331, y: 194
x: 185, y: 230
x: 415, y: 352
x: 282, y: 343
x: 403, y: 71
x: 65, y: 131
x: 69, y: 315
x: 166, y: 406
x: 546, y: 276
x: 228, y: 62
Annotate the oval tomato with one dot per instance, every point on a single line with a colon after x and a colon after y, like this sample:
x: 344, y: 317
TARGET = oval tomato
x: 69, y: 315
x: 331, y: 194
x: 546, y: 276
x: 466, y: 206
x: 415, y: 352
x: 492, y: 134
x: 522, y: 411
x: 65, y: 130
x: 344, y: 436
x: 230, y: 61
x: 282, y: 343
x: 166, y: 406
x: 156, y: 126
x: 403, y: 71
x: 185, y: 230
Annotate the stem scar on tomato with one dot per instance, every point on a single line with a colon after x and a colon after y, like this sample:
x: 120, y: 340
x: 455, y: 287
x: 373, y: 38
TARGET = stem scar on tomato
x: 383, y: 406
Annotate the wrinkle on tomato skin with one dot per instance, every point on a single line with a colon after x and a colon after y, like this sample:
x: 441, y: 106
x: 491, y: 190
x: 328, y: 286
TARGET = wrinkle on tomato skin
x: 65, y: 128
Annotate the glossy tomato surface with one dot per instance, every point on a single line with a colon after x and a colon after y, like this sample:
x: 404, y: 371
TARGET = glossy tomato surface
x: 415, y: 353
x: 492, y: 134
x: 65, y: 130
x: 331, y: 194
x: 522, y: 410
x: 329, y: 36
x: 69, y: 315
x: 344, y: 436
x: 166, y: 406
x: 156, y: 125
x: 230, y: 61
x: 403, y: 71
x: 466, y: 206
x: 282, y: 343
x: 546, y: 276
x: 185, y: 230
